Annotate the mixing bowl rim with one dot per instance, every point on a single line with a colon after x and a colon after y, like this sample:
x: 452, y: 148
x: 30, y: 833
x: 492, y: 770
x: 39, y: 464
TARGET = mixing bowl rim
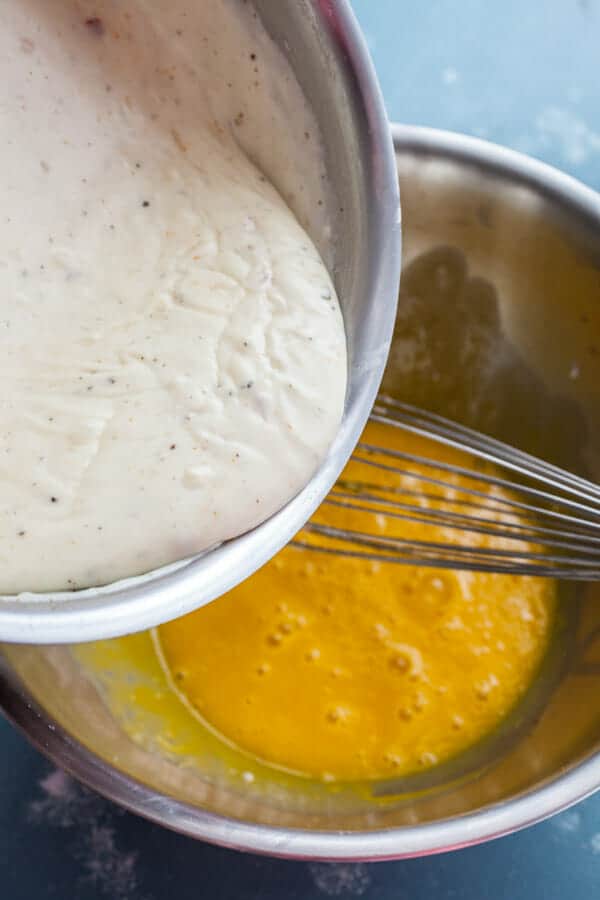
x: 503, y: 161
x: 140, y: 603
x: 462, y: 831
x: 552, y: 796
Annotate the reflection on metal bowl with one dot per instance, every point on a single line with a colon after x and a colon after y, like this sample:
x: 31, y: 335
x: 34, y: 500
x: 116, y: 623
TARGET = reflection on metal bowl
x: 498, y: 326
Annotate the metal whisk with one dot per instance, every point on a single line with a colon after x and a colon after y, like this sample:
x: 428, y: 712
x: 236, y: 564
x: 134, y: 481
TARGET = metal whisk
x: 496, y: 508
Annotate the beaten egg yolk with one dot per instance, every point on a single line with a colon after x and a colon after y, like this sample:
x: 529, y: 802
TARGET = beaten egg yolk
x: 348, y: 669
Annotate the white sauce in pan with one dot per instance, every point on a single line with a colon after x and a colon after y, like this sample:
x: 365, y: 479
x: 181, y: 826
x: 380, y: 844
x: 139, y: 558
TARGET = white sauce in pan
x: 173, y: 361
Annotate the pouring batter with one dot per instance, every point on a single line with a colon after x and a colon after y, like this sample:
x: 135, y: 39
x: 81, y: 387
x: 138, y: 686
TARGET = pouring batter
x: 167, y: 325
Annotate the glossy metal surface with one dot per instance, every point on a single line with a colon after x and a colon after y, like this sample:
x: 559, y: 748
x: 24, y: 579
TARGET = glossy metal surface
x: 547, y: 524
x: 327, y: 53
x: 487, y: 231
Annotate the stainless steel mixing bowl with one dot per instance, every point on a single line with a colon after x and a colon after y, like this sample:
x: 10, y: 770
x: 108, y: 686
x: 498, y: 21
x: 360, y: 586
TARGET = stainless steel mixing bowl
x: 498, y: 324
x: 326, y: 51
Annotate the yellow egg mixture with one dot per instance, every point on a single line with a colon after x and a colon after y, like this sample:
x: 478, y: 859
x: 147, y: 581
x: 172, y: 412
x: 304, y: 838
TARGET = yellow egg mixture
x: 345, y: 669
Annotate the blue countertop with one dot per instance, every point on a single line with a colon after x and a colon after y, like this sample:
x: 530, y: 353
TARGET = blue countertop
x: 521, y: 74
x: 62, y: 842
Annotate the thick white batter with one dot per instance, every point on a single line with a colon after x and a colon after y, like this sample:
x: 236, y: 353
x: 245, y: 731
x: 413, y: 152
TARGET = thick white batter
x: 173, y: 361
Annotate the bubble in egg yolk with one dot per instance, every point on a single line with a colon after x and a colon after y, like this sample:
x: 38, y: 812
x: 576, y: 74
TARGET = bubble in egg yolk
x: 347, y: 669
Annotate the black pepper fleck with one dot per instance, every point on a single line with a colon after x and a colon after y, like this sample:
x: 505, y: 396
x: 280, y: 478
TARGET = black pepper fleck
x: 146, y: 203
x: 172, y: 447
x: 21, y: 534
x: 53, y: 499
x: 95, y: 25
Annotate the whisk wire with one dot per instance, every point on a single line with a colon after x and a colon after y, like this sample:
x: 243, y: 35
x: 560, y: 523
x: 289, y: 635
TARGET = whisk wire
x: 438, y: 547
x: 464, y: 523
x: 488, y: 479
x: 507, y: 511
x: 478, y: 444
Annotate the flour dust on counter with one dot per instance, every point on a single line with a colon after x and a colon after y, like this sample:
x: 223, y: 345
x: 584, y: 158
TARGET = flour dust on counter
x: 87, y: 828
x: 167, y: 325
